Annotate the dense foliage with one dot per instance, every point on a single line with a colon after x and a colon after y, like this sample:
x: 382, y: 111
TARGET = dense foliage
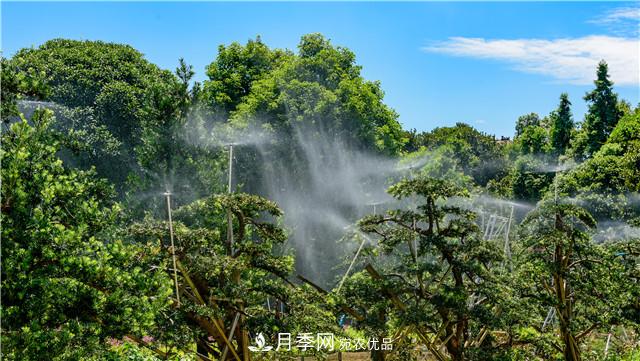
x: 441, y: 284
x: 563, y: 270
x: 113, y: 81
x: 122, y: 237
x: 68, y: 281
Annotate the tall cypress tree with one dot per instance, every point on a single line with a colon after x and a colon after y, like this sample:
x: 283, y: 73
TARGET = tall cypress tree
x: 561, y: 125
x: 603, y: 114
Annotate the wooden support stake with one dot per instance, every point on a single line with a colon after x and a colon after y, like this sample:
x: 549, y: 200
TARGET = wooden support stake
x: 218, y: 327
x: 233, y: 328
x: 353, y: 261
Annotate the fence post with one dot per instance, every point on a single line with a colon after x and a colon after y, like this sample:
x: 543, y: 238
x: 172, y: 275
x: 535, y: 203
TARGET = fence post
x: 339, y: 355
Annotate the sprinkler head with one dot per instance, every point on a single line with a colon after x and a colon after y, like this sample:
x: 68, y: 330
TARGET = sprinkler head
x: 166, y: 193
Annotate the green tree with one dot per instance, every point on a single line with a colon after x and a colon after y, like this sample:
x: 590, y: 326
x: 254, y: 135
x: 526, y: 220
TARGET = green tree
x: 167, y: 156
x: 440, y: 272
x: 561, y: 125
x: 234, y: 70
x: 373, y: 314
x: 9, y: 91
x: 478, y: 154
x: 564, y: 270
x: 603, y: 113
x: 316, y: 99
x: 529, y: 180
x: 221, y: 278
x: 527, y: 120
x: 17, y: 84
x: 77, y: 71
x: 604, y: 182
x: 629, y: 252
x: 110, y: 82
x: 321, y: 88
x: 68, y: 281
x: 533, y: 140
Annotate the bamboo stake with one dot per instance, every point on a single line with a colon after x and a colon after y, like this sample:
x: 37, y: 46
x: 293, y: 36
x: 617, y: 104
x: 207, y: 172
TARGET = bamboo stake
x: 217, y: 325
x: 606, y: 347
x: 353, y: 261
x: 230, y: 337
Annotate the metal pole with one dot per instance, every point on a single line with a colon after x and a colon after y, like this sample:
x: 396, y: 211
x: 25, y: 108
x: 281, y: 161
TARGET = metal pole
x: 507, y: 246
x: 230, y: 167
x: 244, y: 339
x: 229, y: 218
x: 549, y: 319
x: 552, y: 311
x: 173, y: 249
x: 353, y: 261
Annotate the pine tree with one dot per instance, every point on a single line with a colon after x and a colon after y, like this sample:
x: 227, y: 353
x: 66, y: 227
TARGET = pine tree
x: 442, y: 272
x: 561, y: 125
x: 563, y: 268
x: 603, y: 114
x: 68, y: 280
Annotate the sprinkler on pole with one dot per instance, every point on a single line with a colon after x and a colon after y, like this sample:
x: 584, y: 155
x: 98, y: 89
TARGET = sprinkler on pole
x: 230, y: 174
x: 167, y: 194
x: 243, y: 341
x: 229, y: 219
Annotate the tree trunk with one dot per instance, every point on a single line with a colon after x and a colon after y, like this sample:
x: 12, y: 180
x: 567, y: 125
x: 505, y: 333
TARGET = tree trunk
x: 571, y: 351
x: 202, y: 350
x: 565, y: 310
x: 377, y: 355
x: 454, y: 348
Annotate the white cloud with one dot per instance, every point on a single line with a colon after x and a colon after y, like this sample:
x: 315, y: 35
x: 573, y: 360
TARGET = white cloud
x: 572, y: 60
x: 623, y: 21
x: 619, y: 14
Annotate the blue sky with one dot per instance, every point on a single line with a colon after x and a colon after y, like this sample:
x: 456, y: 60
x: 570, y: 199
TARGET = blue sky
x: 439, y: 63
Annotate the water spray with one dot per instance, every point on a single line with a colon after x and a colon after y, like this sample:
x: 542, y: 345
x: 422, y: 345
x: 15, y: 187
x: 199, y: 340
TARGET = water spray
x: 167, y: 194
x: 364, y: 240
x: 507, y: 245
